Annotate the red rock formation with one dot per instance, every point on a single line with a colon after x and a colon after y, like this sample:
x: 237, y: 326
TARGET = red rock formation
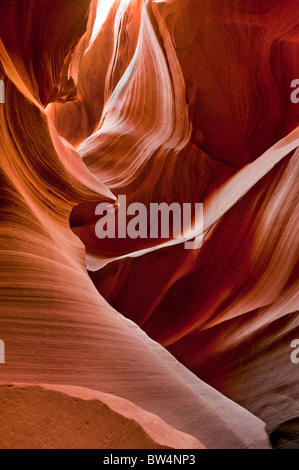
x: 164, y: 101
x: 67, y: 417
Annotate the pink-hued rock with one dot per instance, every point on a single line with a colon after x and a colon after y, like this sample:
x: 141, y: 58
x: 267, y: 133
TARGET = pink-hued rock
x: 163, y: 101
x: 68, y: 417
x: 56, y: 327
x: 230, y: 310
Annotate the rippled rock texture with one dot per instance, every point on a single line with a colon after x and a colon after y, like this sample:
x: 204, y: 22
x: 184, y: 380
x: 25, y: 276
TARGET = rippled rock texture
x: 162, y: 101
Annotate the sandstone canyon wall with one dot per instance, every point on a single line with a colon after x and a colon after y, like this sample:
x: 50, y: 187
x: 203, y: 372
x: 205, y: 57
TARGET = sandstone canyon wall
x: 151, y: 344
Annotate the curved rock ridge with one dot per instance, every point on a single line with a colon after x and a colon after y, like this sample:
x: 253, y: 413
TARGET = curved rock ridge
x: 68, y: 417
x: 161, y: 101
x: 230, y: 309
x: 56, y: 327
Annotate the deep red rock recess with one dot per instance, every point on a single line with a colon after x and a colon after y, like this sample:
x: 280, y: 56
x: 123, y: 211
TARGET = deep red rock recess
x: 173, y: 101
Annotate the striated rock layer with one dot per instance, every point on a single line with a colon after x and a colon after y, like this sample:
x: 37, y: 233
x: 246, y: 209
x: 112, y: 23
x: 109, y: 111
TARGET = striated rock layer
x: 161, y: 101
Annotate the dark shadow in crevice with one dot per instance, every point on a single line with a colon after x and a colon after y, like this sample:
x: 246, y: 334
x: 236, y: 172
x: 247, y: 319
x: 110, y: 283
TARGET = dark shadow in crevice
x: 286, y: 436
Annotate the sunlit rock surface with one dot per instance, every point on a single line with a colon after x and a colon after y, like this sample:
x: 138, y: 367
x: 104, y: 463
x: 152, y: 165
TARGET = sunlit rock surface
x: 161, y: 101
x: 59, y: 417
